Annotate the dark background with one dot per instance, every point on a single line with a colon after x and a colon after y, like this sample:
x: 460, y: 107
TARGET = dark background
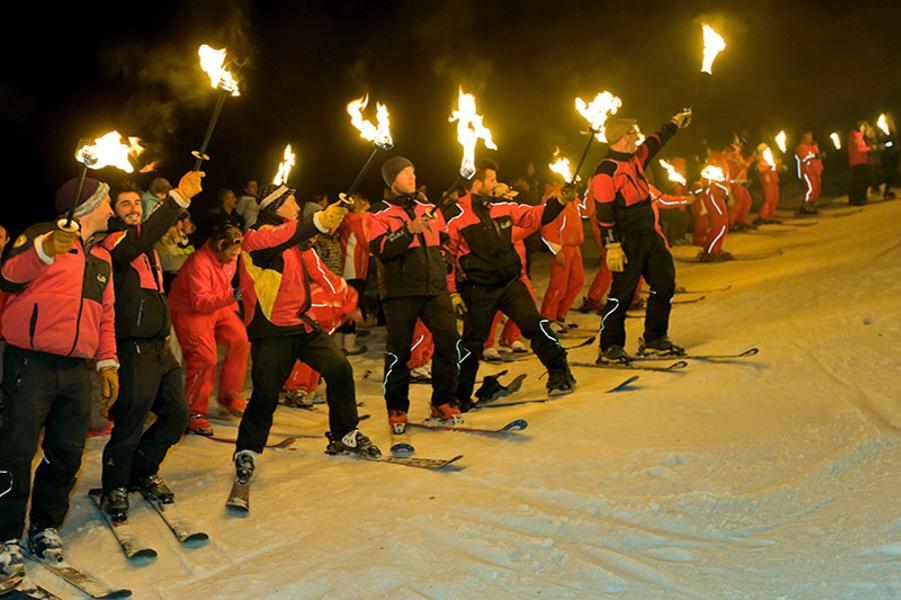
x: 77, y: 72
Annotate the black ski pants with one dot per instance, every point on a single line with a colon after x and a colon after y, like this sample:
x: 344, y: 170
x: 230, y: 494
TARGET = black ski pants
x: 649, y: 257
x: 437, y: 314
x: 273, y: 357
x: 53, y: 393
x: 515, y: 301
x: 860, y: 183
x: 150, y: 380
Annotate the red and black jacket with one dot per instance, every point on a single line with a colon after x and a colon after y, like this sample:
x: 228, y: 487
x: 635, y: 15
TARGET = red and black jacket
x: 481, y: 241
x: 141, y: 308
x: 407, y: 264
x: 622, y: 191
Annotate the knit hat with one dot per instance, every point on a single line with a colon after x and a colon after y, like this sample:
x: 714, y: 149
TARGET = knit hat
x: 271, y: 196
x: 92, y: 193
x: 160, y: 185
x: 393, y: 166
x: 617, y: 128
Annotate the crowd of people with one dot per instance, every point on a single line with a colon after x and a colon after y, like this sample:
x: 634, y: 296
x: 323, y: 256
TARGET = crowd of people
x: 149, y: 296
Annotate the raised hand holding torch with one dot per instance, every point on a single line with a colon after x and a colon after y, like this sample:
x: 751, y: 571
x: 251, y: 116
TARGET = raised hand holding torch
x: 212, y: 61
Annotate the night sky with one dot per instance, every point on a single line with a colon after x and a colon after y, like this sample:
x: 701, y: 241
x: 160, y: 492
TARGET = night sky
x: 79, y: 72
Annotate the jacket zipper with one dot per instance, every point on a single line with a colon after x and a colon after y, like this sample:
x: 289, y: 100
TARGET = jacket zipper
x: 140, y: 312
x: 80, y: 301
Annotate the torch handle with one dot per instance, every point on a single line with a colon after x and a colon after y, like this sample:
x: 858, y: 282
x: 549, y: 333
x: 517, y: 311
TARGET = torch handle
x: 460, y: 179
x: 201, y: 154
x: 694, y: 96
x: 362, y: 173
x: 584, y: 156
x: 71, y: 214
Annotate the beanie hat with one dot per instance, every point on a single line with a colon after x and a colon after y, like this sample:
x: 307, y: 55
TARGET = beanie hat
x: 160, y: 185
x: 393, y: 166
x: 617, y: 128
x: 92, y: 193
x: 271, y: 196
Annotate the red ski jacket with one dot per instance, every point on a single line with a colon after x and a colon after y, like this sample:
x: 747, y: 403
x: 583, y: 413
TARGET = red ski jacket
x: 203, y: 284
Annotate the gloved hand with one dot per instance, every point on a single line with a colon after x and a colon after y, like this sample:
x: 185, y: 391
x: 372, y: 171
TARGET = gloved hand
x: 616, y: 258
x: 569, y: 193
x: 331, y: 216
x: 682, y: 119
x: 418, y: 225
x: 58, y: 242
x: 108, y: 378
x: 560, y: 259
x: 459, y: 305
x: 189, y: 184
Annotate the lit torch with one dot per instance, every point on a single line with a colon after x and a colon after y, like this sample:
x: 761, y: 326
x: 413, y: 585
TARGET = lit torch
x: 212, y: 61
x: 284, y: 167
x: 596, y: 113
x: 671, y: 172
x: 470, y: 130
x: 713, y: 45
x: 561, y: 167
x: 882, y: 123
x: 713, y: 173
x: 767, y: 155
x: 109, y: 150
x: 379, y: 134
x: 781, y: 141
x: 836, y: 140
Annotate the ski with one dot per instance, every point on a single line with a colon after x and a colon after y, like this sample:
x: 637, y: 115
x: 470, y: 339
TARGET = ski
x: 285, y: 443
x: 747, y: 353
x: 682, y: 290
x: 524, y: 355
x: 673, y: 368
x: 620, y: 386
x: 85, y: 582
x: 758, y: 256
x: 433, y: 464
x: 512, y: 426
x: 128, y: 540
x: 23, y: 589
x: 239, y: 498
x: 401, y: 446
x: 178, y: 524
x: 624, y: 385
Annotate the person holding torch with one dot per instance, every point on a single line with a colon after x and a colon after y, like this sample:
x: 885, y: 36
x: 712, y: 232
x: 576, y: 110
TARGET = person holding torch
x: 58, y: 316
x: 634, y: 247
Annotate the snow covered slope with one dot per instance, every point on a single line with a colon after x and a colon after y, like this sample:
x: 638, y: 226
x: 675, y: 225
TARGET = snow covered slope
x: 775, y: 477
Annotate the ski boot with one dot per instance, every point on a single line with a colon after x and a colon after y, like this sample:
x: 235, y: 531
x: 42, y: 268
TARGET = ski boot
x: 491, y: 354
x: 115, y: 503
x: 588, y: 305
x: 515, y: 346
x: 613, y: 355
x: 298, y: 399
x: 560, y: 383
x: 45, y: 544
x: 662, y: 346
x: 353, y: 442
x: 492, y: 389
x: 200, y: 425
x: 245, y: 463
x: 423, y: 373
x: 398, y: 421
x: 233, y: 404
x: 350, y: 346
x: 12, y: 564
x: 446, y: 414
x: 153, y: 488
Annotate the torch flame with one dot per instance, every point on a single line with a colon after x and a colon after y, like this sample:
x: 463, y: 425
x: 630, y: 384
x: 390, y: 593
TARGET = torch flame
x: 380, y: 135
x: 598, y: 111
x: 674, y: 175
x: 781, y: 141
x: 712, y: 173
x: 882, y: 123
x: 211, y: 61
x: 767, y: 155
x: 713, y: 45
x: 561, y: 166
x: 469, y: 131
x: 836, y: 141
x: 150, y: 167
x: 284, y: 167
x: 110, y: 151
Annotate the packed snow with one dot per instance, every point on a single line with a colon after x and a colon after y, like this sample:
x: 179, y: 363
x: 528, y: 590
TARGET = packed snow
x: 777, y: 476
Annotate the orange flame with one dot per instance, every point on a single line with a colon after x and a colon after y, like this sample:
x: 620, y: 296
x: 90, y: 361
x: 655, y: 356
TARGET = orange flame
x: 781, y: 141
x: 211, y: 61
x: 713, y: 45
x: 674, y: 175
x: 713, y: 173
x: 284, y: 167
x: 110, y: 150
x: 598, y: 111
x: 379, y: 134
x: 836, y: 140
x: 561, y: 166
x: 882, y: 123
x: 767, y: 155
x: 469, y: 131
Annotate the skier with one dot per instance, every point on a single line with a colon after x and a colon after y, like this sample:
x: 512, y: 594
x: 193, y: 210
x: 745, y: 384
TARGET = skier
x: 152, y: 379
x: 739, y: 181
x: 564, y: 236
x: 276, y: 277
x: 58, y: 316
x: 204, y: 313
x: 634, y: 246
x: 810, y: 172
x: 406, y: 237
x: 489, y: 277
x: 769, y: 182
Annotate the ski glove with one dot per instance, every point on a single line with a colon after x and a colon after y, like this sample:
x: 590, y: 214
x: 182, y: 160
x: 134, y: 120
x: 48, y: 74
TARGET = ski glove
x: 616, y: 258
x: 459, y: 305
x: 189, y: 184
x: 682, y: 118
x: 108, y: 378
x: 58, y: 242
x: 331, y: 216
